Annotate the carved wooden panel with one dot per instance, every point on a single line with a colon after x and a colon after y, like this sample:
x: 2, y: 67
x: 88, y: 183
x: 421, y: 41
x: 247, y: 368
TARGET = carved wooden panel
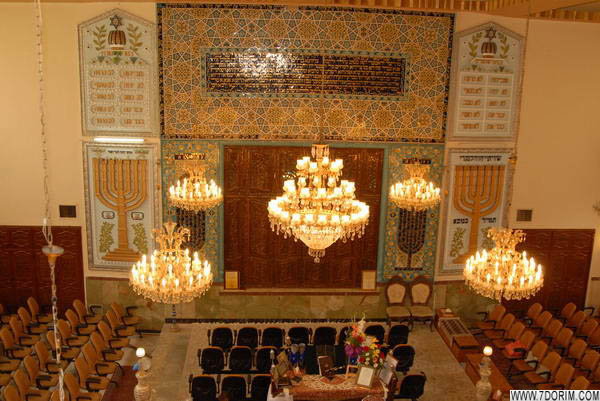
x: 565, y: 256
x: 24, y: 269
x: 253, y: 176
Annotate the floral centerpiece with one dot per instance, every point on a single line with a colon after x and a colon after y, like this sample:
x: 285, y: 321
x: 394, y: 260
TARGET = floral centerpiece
x: 362, y: 349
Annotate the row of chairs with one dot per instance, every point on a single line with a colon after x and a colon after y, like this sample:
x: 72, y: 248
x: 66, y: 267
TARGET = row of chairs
x: 552, y: 352
x: 252, y: 337
x: 90, y: 343
x: 237, y: 387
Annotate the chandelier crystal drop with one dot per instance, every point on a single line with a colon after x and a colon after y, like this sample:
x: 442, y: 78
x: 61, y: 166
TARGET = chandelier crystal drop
x: 315, y: 208
x: 171, y: 276
x: 415, y: 193
x: 194, y: 192
x: 502, y: 272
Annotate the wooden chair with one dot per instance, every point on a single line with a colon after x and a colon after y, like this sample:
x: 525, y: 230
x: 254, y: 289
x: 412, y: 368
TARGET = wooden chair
x: 526, y: 340
x: 80, y: 328
x: 67, y: 335
x: 562, y: 379
x: 89, y: 317
x: 43, y: 381
x: 561, y: 342
x: 19, y: 334
x: 29, y: 325
x: 576, y: 352
x: 541, y: 322
x: 11, y: 393
x: 86, y: 379
x: 102, y: 348
x: 126, y: 314
x: 544, y: 370
x: 112, y: 341
x: 580, y: 383
x: 68, y: 353
x: 8, y: 366
x: 395, y: 294
x: 46, y: 363
x: 75, y: 391
x: 501, y: 329
x: 586, y: 329
x: 4, y: 315
x: 551, y: 330
x: 532, y: 313
x: 26, y: 390
x: 11, y: 349
x: 529, y: 362
x: 567, y: 311
x: 95, y: 362
x: 491, y: 318
x: 36, y: 314
x: 420, y: 293
x: 576, y: 320
x: 588, y: 363
x: 118, y: 329
x: 5, y: 378
x: 511, y: 335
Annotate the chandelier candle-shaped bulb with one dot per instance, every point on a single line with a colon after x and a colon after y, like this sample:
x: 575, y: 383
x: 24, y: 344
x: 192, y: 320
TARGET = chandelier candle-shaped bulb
x: 503, y: 272
x: 172, y: 269
x: 318, y: 209
x: 415, y: 193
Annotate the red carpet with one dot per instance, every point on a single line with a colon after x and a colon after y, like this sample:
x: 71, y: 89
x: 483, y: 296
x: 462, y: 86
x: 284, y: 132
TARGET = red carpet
x: 124, y: 392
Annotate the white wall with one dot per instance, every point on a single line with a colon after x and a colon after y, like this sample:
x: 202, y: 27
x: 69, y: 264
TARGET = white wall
x: 557, y: 172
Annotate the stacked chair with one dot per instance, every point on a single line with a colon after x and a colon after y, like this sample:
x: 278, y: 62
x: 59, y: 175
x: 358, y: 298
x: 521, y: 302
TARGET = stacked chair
x: 91, y: 345
x: 545, y: 349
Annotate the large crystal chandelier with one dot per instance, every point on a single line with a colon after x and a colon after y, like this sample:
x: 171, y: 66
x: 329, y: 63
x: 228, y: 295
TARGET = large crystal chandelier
x: 171, y: 276
x: 194, y: 193
x: 502, y: 271
x: 315, y: 209
x: 415, y: 193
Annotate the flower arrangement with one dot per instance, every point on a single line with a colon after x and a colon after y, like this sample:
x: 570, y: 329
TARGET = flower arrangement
x: 361, y: 348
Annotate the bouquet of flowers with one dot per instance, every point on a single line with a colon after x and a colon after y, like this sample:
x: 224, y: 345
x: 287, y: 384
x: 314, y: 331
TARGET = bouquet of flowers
x: 361, y: 348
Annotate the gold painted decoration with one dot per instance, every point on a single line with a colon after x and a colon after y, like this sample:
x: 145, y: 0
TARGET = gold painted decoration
x: 121, y: 202
x: 477, y: 201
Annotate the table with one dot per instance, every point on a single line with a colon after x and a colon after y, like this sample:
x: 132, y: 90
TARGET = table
x: 317, y: 388
x: 441, y: 313
x: 497, y: 379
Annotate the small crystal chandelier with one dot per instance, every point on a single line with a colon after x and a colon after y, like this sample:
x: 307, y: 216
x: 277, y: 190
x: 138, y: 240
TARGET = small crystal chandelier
x: 504, y: 272
x: 172, y: 276
x: 194, y: 193
x: 316, y: 210
x: 415, y: 193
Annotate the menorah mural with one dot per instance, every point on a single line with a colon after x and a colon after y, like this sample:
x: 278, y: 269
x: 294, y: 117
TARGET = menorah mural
x: 121, y: 185
x: 411, y: 234
x: 477, y: 193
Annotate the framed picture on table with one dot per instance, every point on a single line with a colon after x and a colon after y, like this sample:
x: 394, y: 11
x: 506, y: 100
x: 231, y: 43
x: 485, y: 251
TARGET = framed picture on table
x: 365, y: 376
x: 385, y: 375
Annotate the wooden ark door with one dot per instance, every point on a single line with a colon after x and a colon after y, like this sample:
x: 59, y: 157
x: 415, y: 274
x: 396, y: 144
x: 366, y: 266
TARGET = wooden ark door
x: 566, y: 256
x: 24, y: 269
x: 253, y: 176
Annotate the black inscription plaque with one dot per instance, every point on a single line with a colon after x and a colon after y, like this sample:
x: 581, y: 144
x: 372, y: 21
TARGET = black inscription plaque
x: 305, y: 73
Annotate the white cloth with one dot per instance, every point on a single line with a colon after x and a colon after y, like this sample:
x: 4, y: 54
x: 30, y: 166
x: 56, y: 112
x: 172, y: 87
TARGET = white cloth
x: 280, y: 397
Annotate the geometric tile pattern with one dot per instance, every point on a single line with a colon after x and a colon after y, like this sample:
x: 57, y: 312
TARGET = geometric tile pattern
x: 395, y: 259
x: 188, y: 32
x: 168, y: 173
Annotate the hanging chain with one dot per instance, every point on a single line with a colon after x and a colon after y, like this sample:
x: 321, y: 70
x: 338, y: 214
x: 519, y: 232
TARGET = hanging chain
x: 47, y: 226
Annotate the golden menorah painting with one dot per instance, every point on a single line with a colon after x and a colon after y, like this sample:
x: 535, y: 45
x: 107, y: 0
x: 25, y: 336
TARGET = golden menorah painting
x: 477, y: 193
x: 121, y: 185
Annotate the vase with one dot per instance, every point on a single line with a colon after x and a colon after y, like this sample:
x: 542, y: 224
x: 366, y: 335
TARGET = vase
x: 142, y: 390
x: 483, y: 388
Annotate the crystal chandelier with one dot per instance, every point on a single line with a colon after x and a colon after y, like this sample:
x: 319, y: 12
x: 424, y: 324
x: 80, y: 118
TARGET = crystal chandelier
x: 172, y: 276
x: 504, y: 272
x: 194, y: 193
x: 415, y: 193
x: 315, y: 209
